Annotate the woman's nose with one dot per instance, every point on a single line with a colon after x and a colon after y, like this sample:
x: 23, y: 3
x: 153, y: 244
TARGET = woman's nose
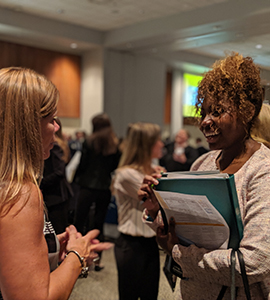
x: 206, y: 121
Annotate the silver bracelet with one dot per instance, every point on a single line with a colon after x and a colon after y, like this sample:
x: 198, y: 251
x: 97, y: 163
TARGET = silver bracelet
x: 85, y: 269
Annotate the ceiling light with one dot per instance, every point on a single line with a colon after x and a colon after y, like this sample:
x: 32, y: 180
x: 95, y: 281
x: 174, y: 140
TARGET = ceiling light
x: 73, y: 45
x: 259, y: 46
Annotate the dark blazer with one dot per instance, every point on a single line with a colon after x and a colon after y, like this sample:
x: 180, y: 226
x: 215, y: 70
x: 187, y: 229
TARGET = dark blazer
x: 171, y: 165
x: 54, y: 185
x: 94, y: 170
x: 201, y: 150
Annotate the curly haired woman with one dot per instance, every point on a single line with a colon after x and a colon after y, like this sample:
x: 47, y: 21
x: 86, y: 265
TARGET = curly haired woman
x: 229, y: 101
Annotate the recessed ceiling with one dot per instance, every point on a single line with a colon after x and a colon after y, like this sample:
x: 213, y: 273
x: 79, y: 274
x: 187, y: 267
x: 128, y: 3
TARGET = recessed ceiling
x: 181, y: 32
x: 105, y: 14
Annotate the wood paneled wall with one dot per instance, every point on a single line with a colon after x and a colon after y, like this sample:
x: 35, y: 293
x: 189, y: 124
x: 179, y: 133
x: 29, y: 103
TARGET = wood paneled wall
x: 64, y: 70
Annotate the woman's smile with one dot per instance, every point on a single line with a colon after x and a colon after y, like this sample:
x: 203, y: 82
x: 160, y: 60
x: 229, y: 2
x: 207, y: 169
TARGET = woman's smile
x: 211, y: 136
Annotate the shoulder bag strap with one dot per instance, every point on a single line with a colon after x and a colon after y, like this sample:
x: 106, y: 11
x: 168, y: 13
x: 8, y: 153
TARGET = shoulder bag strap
x: 233, y: 289
x: 244, y: 274
x: 222, y: 292
x: 224, y: 288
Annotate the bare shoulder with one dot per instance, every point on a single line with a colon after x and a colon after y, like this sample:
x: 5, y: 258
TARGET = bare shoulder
x: 28, y: 208
x: 23, y: 224
x: 24, y: 253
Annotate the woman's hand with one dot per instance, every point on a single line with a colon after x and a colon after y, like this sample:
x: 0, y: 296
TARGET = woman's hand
x: 87, y: 246
x: 63, y: 239
x: 159, y: 170
x: 167, y: 240
x: 147, y: 195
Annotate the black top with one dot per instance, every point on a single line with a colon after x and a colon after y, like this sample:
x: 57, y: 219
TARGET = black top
x: 94, y: 170
x: 54, y: 185
x: 201, y: 150
x: 171, y: 165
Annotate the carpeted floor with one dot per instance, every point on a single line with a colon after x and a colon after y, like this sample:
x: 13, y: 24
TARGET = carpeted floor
x: 103, y: 285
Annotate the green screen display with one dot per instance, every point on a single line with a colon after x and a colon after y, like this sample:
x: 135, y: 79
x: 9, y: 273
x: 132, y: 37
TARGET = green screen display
x: 191, y: 83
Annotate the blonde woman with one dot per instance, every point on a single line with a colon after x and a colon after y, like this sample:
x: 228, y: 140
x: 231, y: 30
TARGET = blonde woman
x: 261, y: 131
x: 136, y: 250
x: 28, y: 104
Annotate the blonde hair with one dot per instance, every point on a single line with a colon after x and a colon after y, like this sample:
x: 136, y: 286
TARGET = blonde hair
x: 261, y: 131
x: 25, y: 98
x: 137, y: 153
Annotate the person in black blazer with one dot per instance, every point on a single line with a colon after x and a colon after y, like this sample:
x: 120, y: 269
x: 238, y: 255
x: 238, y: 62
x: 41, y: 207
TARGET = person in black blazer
x: 100, y: 157
x: 179, y: 155
x: 55, y: 189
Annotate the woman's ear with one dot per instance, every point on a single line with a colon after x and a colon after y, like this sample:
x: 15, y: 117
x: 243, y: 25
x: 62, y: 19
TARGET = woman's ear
x: 251, y: 113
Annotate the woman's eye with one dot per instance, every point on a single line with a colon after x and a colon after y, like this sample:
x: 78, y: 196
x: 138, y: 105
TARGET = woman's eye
x: 217, y: 112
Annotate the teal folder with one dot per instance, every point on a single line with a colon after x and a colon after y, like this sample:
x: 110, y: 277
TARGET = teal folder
x: 220, y: 191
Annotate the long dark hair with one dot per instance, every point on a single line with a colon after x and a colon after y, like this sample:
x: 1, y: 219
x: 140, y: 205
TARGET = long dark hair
x: 103, y: 138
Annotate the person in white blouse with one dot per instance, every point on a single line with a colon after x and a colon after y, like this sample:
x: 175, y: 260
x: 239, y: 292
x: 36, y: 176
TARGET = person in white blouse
x: 136, y: 249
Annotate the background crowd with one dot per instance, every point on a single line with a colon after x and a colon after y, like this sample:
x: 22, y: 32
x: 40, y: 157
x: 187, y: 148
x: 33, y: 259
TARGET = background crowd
x: 80, y: 177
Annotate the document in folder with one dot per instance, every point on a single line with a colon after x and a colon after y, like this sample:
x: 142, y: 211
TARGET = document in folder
x: 205, y: 207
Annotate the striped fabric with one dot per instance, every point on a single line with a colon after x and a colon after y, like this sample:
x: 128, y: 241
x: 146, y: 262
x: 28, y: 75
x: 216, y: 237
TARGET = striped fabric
x: 52, y: 243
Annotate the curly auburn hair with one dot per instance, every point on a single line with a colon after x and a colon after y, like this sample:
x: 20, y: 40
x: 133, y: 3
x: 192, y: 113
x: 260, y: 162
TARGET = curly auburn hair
x: 235, y: 79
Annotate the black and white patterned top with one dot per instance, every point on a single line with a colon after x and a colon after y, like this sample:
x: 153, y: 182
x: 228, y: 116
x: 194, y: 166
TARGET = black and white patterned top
x: 52, y: 243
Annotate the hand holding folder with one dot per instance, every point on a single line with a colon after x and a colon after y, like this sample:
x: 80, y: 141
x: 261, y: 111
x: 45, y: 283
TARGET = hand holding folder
x: 205, y: 207
x: 167, y: 238
x: 210, y: 191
